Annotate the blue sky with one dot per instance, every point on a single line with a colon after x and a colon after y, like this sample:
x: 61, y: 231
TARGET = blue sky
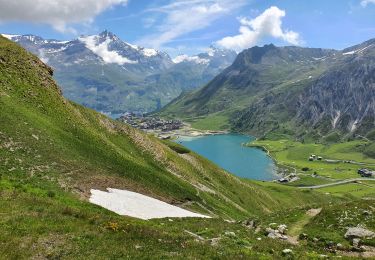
x: 190, y: 26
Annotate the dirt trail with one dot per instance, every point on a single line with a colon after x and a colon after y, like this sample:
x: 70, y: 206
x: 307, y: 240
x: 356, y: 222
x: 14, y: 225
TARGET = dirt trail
x: 296, y: 229
x: 368, y: 253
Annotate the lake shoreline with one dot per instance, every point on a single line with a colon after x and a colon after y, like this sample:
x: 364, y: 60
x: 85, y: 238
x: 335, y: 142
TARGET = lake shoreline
x: 230, y: 153
x: 278, y: 165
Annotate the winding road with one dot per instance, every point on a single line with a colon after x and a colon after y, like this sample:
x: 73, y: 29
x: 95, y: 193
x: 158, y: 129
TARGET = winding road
x: 337, y: 183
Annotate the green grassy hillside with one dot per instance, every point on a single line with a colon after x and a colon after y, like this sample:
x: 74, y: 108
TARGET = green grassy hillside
x: 52, y: 152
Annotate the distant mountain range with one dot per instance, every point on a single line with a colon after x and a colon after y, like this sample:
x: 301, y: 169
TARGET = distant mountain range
x: 309, y: 93
x: 107, y: 74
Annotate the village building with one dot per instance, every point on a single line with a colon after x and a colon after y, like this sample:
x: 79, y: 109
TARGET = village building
x: 366, y: 172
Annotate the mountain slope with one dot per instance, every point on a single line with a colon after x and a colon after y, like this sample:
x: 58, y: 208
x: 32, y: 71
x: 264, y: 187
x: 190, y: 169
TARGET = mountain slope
x: 107, y: 74
x: 290, y: 89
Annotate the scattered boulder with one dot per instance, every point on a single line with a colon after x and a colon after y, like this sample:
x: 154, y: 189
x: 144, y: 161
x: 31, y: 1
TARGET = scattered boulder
x: 359, y: 232
x: 275, y: 234
x: 287, y: 251
x: 230, y: 234
x: 214, y: 241
x: 367, y: 213
x: 356, y: 242
x: 339, y: 246
x: 249, y: 223
x: 303, y: 236
x: 330, y: 244
x: 282, y: 228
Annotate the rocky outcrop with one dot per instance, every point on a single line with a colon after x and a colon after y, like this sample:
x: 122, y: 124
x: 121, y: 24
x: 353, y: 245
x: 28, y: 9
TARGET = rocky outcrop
x: 359, y: 232
x: 278, y: 233
x: 344, y: 97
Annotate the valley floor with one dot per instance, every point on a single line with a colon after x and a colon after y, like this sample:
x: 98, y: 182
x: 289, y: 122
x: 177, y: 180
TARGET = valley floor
x: 336, y: 171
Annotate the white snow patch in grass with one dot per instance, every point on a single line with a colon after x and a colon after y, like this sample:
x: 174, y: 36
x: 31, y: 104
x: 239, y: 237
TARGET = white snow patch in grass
x: 136, y: 205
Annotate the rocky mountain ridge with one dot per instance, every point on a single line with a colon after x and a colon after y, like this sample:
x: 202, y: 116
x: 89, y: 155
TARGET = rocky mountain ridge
x: 108, y: 74
x: 305, y: 92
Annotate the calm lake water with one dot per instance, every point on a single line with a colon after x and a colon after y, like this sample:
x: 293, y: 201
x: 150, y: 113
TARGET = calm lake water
x: 227, y: 152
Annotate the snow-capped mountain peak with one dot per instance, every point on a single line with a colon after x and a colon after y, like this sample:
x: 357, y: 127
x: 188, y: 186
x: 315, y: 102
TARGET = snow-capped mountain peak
x: 9, y: 36
x: 149, y: 52
x: 100, y: 46
x: 113, y: 50
x: 123, y: 75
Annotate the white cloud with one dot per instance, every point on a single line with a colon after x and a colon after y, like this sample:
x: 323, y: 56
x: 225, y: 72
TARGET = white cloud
x: 196, y: 59
x: 102, y: 51
x: 185, y: 16
x: 269, y: 23
x: 364, y: 3
x: 57, y: 13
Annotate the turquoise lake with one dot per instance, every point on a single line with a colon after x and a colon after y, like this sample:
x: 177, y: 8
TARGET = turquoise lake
x: 227, y: 151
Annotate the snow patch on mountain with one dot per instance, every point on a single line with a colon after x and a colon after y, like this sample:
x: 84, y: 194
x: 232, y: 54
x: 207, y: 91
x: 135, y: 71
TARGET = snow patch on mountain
x: 149, y: 52
x: 196, y: 59
x: 102, y: 50
x: 211, y: 52
x: 356, y: 51
x: 9, y: 36
x: 34, y: 39
x: 136, y: 47
x: 54, y: 50
x: 128, y: 203
x: 145, y: 51
x: 58, y: 42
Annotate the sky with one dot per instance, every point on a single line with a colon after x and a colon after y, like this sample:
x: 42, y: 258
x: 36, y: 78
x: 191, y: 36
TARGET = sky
x: 191, y: 26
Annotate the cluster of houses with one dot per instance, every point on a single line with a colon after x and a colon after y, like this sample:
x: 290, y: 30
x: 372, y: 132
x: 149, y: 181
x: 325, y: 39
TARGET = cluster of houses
x: 150, y: 123
x: 366, y: 172
x: 290, y: 178
x: 313, y: 157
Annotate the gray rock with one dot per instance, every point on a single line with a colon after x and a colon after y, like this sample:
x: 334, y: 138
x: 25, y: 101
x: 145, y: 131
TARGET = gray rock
x: 356, y: 242
x: 249, y: 223
x: 230, y: 234
x: 215, y: 241
x: 287, y: 251
x: 275, y: 234
x: 359, y: 232
x: 282, y: 228
x: 367, y: 213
